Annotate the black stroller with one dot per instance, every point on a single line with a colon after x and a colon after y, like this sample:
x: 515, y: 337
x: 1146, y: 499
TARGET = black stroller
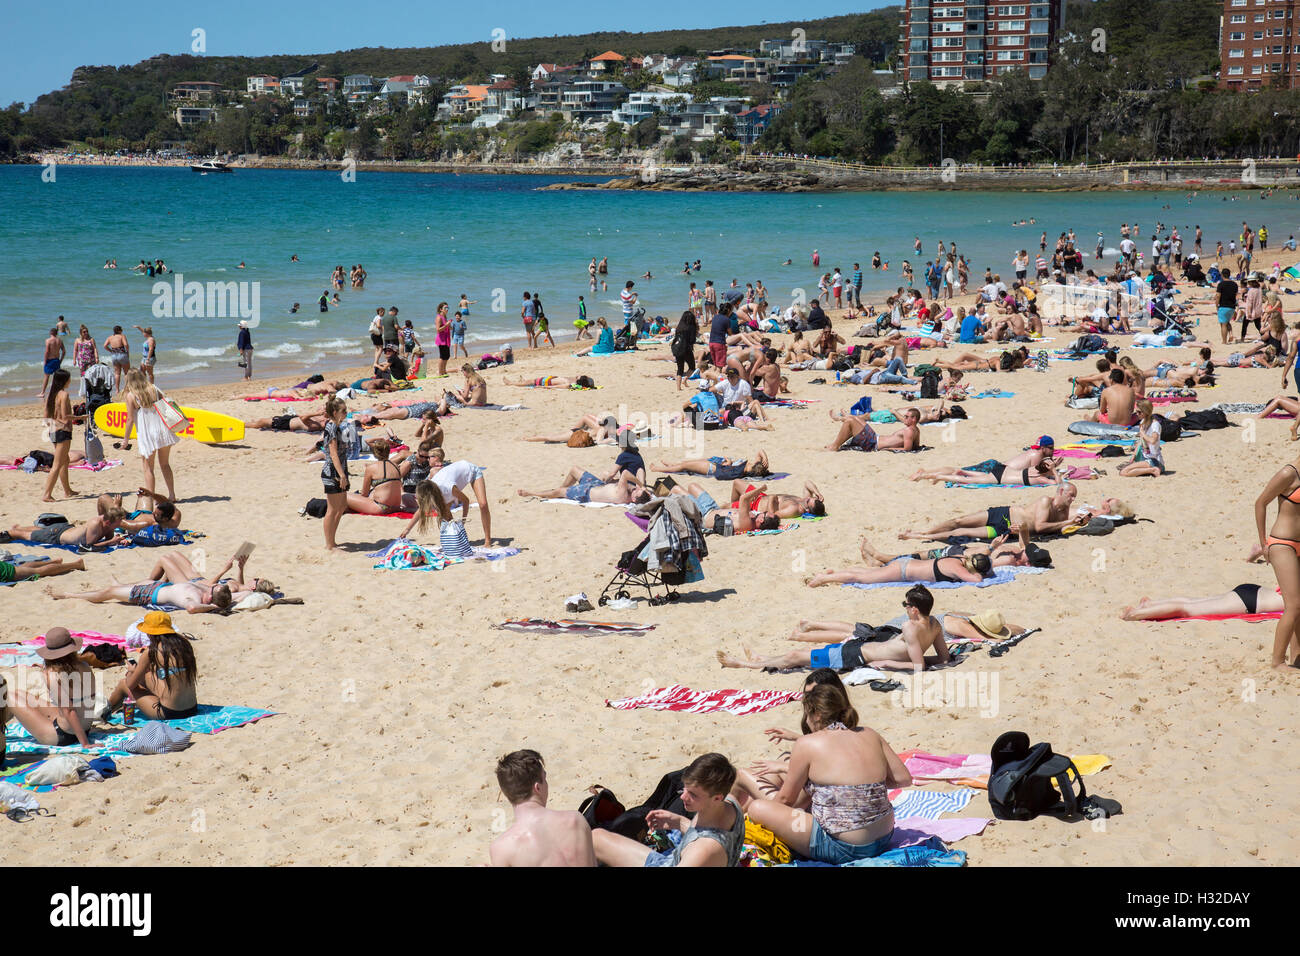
x: 631, y: 574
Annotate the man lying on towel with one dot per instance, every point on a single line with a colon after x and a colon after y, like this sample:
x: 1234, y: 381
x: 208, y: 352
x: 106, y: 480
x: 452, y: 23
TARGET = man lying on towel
x: 1049, y: 515
x: 892, y: 649
x: 856, y: 434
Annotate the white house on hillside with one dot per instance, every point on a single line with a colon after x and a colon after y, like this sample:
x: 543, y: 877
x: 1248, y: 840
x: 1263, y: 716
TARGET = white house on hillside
x: 259, y: 83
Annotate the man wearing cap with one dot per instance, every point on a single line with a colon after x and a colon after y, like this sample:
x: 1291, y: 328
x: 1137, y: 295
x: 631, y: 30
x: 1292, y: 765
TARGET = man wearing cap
x: 61, y: 716
x: 245, y: 345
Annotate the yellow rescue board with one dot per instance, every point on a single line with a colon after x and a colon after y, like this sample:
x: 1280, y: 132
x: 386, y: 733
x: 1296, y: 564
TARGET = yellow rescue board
x: 211, y: 428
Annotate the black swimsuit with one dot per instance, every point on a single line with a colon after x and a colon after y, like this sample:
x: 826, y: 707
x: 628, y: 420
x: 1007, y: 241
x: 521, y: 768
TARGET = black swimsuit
x: 1249, y: 594
x: 939, y: 576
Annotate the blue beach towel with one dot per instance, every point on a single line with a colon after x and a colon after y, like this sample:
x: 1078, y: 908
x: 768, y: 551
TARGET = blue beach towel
x: 999, y: 576
x: 933, y: 852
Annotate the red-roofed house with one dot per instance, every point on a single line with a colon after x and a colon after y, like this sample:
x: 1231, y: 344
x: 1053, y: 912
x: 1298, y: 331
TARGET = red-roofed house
x: 327, y: 84
x: 261, y: 83
x: 607, y: 61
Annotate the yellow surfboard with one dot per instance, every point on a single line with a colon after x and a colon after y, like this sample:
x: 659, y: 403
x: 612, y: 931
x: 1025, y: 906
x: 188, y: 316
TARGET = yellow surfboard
x: 210, y: 428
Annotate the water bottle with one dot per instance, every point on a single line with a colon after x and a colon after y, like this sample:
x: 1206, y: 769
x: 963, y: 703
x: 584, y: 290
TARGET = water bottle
x: 128, y: 714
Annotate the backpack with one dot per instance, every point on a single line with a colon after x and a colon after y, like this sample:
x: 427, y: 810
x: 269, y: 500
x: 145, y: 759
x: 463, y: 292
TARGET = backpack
x: 1022, y: 778
x: 930, y: 384
x: 1169, y: 430
x: 667, y: 796
x: 1203, y: 420
x: 316, y: 507
x: 601, y: 808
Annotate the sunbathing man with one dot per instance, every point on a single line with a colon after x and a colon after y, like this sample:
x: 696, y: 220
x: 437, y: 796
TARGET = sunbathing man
x: 1009, y: 361
x: 303, y: 390
x: 856, y: 434
x: 175, y: 568
x: 193, y: 598
x: 852, y: 646
x: 723, y: 469
x: 584, y: 487
x: 1030, y: 460
x: 164, y: 514
x: 97, y: 533
x: 1090, y: 386
x: 1243, y: 599
x: 1117, y: 403
x: 1049, y: 515
x: 306, y: 422
x: 782, y: 506
x: 538, y: 836
x: 1002, y: 553
x: 45, y: 567
x: 603, y: 431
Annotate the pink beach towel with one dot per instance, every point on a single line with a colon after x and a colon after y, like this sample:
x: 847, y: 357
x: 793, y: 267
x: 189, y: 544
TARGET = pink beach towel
x: 913, y: 830
x: 927, y: 766
x: 677, y: 697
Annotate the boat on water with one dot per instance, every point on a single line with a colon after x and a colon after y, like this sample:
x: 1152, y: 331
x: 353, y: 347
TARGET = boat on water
x: 210, y: 166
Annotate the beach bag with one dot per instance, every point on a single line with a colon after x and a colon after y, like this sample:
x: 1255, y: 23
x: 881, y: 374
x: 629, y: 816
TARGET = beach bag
x: 722, y: 525
x: 316, y: 507
x: 1169, y: 430
x: 666, y: 796
x: 1024, y: 780
x: 94, y: 447
x: 47, y: 519
x: 43, y: 459
x: 1203, y: 420
x: 173, y: 418
x: 581, y: 439
x: 664, y: 486
x: 601, y: 808
x: 930, y: 384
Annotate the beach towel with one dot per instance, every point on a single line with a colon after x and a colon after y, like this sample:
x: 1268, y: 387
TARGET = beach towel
x: 80, y: 466
x: 1075, y: 453
x: 928, y: 766
x: 931, y: 804
x: 756, y: 533
x: 994, y: 393
x: 16, y: 771
x: 1248, y: 618
x: 540, y: 625
x: 913, y: 831
x: 863, y: 675
x: 1243, y: 408
x: 22, y: 559
x: 677, y: 697
x: 403, y: 555
x: 585, y: 504
x: 932, y: 852
x: 211, y: 719
x: 1172, y: 399
x: 789, y: 402
x: 276, y: 398
x: 999, y: 576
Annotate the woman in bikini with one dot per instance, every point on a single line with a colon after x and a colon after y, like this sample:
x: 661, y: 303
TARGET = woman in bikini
x: 553, y: 381
x: 1282, y: 545
x: 724, y: 469
x: 58, y: 411
x: 381, y: 484
x: 473, y: 394
x: 603, y: 431
x: 970, y: 569
x: 1243, y: 599
x: 164, y: 680
x: 61, y: 717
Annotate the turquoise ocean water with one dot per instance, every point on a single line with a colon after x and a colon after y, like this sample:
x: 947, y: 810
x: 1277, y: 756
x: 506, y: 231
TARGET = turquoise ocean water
x: 425, y: 238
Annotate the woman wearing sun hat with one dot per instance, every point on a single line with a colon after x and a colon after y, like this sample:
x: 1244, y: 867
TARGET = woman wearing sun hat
x: 61, y: 717
x: 989, y: 625
x: 164, y: 681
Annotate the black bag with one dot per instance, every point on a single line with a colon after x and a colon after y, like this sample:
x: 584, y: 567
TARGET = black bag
x: 1204, y: 420
x: 601, y: 808
x: 1024, y: 781
x: 667, y: 796
x: 1169, y: 430
x: 47, y: 519
x: 44, y: 459
x: 930, y: 384
x: 317, y: 507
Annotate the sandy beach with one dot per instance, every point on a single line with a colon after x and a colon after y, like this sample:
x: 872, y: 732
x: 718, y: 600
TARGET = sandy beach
x: 395, y: 695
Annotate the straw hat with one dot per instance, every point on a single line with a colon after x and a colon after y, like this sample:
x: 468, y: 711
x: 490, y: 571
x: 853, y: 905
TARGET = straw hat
x: 156, y: 622
x: 59, y: 643
x: 991, y: 624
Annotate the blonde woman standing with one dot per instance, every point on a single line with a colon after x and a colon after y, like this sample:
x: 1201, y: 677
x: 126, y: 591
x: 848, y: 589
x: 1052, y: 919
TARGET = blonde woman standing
x: 155, y: 438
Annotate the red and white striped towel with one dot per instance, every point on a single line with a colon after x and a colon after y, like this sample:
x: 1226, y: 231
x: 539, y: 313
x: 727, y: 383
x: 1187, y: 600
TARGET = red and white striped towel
x: 677, y: 697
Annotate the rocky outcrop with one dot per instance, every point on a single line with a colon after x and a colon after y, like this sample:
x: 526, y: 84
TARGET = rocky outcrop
x: 727, y: 180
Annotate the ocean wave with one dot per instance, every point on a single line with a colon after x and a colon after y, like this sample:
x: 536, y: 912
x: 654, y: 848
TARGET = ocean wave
x: 284, y: 348
x: 181, y: 369
x: 203, y: 353
x: 308, y: 324
x: 6, y: 369
x: 334, y: 344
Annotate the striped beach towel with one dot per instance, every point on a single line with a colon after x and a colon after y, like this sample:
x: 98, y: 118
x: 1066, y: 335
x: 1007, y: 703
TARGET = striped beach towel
x: 574, y: 627
x: 931, y: 804
x: 677, y: 697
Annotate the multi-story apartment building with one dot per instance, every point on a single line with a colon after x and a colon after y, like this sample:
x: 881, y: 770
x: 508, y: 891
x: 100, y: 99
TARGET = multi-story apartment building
x: 1259, y: 44
x: 960, y: 41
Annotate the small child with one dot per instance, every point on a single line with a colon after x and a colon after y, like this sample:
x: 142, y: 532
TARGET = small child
x: 458, y: 327
x: 581, y: 323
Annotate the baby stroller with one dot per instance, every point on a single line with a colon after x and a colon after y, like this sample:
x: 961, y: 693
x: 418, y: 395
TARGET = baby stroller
x: 631, y: 574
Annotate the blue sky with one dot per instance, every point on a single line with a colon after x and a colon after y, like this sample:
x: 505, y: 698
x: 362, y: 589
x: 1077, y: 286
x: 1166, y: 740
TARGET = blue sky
x: 43, y: 42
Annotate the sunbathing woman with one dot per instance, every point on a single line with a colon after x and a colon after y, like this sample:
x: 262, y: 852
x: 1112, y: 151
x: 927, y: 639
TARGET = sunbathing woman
x: 473, y: 395
x: 724, y: 469
x: 1243, y: 599
x: 797, y: 351
x: 164, y: 681
x: 301, y: 391
x: 553, y: 381
x: 1001, y: 551
x: 60, y: 716
x: 381, y: 484
x: 1025, y: 478
x: 970, y: 569
x: 970, y: 362
x: 603, y: 431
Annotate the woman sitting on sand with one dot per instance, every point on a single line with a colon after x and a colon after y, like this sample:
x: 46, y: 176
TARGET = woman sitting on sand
x: 604, y: 344
x: 970, y: 569
x: 1148, y: 460
x: 164, y: 681
x: 603, y: 431
x: 453, y: 542
x: 381, y: 484
x: 1243, y: 599
x: 62, y: 715
x: 473, y: 395
x: 429, y: 429
x: 553, y: 381
x: 833, y: 805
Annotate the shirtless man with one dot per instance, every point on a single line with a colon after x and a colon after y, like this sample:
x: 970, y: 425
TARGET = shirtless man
x: 584, y: 487
x: 1049, y: 515
x: 164, y: 514
x: 54, y: 354
x: 194, y: 598
x: 538, y: 836
x: 856, y: 434
x: 907, y: 651
x: 175, y: 568
x: 384, y: 412
x: 766, y: 376
x: 1032, y: 465
x: 782, y: 506
x: 306, y: 422
x: 1002, y: 553
x: 97, y: 533
x: 721, y: 468
x: 1117, y: 402
x: 1088, y: 386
